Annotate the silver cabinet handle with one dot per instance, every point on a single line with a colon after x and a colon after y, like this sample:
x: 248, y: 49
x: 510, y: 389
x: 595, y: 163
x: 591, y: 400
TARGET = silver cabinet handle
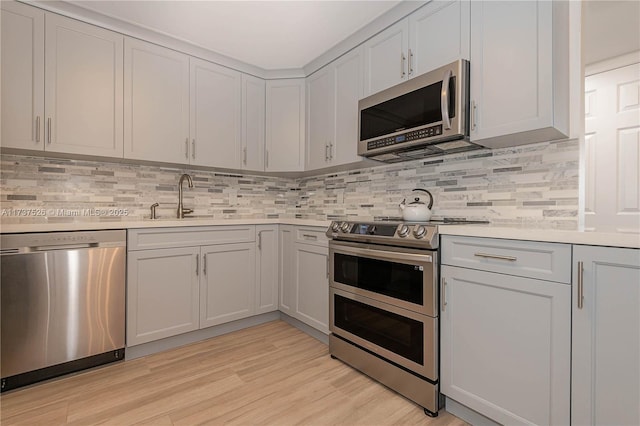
x: 186, y: 148
x: 197, y: 264
x: 327, y: 267
x: 38, y: 129
x: 330, y: 151
x: 580, y: 285
x: 496, y: 256
x: 244, y: 156
x: 443, y: 294
x: 473, y: 115
x: 49, y: 131
x: 402, y: 59
x: 310, y: 237
x: 204, y: 263
x: 193, y: 148
x: 410, y: 62
x: 259, y: 240
x: 266, y: 159
x: 444, y: 100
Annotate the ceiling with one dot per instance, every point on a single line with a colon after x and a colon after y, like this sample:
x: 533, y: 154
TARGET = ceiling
x: 611, y: 28
x: 268, y: 34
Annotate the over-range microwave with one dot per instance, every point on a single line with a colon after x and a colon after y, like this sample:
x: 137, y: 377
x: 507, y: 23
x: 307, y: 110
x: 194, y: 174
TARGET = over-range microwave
x: 421, y: 117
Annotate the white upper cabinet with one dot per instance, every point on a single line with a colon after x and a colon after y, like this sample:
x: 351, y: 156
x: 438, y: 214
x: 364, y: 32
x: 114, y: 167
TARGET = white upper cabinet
x: 253, y: 116
x: 348, y: 72
x: 83, y: 88
x: 79, y: 75
x: 285, y: 125
x: 333, y: 93
x: 22, y: 76
x: 216, y: 108
x: 519, y: 72
x: 438, y: 35
x: 386, y: 58
x: 432, y: 36
x: 156, y: 103
x: 320, y: 116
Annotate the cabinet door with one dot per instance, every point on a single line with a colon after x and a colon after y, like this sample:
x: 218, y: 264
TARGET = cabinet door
x: 83, y: 88
x: 285, y: 125
x: 320, y: 110
x: 513, y: 71
x: 386, y: 58
x: 216, y: 95
x: 438, y: 35
x: 22, y: 76
x: 348, y: 89
x: 312, y: 285
x: 287, y: 276
x: 606, y: 337
x: 227, y: 283
x: 162, y: 293
x: 253, y: 112
x: 506, y: 346
x: 266, y: 269
x: 156, y: 103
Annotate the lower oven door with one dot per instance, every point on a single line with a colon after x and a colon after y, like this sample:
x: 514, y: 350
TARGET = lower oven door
x: 398, y: 276
x: 401, y: 336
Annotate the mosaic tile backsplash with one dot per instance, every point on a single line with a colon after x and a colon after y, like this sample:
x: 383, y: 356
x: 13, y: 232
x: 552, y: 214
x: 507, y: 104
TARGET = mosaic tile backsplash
x: 534, y: 185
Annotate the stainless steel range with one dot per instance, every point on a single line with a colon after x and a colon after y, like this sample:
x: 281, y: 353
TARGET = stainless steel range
x: 384, y: 304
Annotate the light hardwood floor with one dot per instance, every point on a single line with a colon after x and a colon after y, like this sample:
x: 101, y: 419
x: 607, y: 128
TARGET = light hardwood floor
x: 271, y: 374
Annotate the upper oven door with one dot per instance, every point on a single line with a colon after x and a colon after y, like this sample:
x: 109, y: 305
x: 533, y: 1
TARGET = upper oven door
x: 398, y: 276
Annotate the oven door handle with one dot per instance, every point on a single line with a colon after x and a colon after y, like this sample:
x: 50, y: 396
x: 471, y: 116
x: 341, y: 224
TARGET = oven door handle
x: 383, y: 254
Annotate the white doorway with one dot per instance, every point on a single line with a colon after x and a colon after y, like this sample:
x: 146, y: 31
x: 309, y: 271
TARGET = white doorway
x: 612, y: 146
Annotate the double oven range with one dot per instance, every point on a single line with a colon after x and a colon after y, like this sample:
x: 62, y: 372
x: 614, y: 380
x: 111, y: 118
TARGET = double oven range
x: 384, y: 305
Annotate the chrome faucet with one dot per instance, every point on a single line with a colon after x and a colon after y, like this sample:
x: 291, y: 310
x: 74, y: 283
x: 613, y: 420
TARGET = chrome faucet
x: 181, y: 210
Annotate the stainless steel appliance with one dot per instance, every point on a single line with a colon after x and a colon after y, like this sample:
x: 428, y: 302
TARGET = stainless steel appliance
x: 63, y: 303
x: 383, y: 306
x: 424, y: 116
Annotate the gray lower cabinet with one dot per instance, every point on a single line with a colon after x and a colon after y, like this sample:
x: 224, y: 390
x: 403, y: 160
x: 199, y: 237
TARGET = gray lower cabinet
x: 266, y: 298
x: 606, y: 336
x: 162, y: 293
x: 505, y: 331
x: 184, y: 279
x: 304, y: 283
x: 227, y: 283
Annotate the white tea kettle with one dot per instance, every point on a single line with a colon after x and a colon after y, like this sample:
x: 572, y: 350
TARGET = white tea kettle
x: 417, y: 210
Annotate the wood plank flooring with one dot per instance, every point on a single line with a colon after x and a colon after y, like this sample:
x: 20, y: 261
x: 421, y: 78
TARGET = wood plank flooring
x: 271, y: 374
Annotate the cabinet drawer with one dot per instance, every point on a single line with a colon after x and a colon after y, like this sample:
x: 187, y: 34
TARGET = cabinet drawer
x: 532, y: 259
x: 308, y: 235
x: 144, y: 239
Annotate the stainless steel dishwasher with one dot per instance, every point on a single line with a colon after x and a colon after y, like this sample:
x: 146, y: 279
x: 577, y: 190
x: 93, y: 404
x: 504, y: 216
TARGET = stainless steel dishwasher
x: 63, y: 303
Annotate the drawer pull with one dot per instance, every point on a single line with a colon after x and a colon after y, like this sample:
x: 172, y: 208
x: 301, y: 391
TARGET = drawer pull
x: 310, y: 237
x: 496, y: 256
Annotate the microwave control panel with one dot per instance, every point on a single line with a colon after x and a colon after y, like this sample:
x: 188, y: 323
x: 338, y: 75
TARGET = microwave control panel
x: 413, y: 135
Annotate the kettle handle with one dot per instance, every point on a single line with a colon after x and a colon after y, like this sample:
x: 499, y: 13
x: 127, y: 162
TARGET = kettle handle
x: 430, y: 197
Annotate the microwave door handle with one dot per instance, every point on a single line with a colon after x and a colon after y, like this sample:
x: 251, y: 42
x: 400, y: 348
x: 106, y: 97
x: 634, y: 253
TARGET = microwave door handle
x: 444, y: 100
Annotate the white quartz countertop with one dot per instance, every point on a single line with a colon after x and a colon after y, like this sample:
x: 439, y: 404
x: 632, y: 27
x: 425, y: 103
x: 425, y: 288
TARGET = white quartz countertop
x: 594, y: 238
x: 148, y: 223
x: 612, y: 239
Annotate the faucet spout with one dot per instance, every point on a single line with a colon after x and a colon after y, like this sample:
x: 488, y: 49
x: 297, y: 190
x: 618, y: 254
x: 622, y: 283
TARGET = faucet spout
x: 181, y: 210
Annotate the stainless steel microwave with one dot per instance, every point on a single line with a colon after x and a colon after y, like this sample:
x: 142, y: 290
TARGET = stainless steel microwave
x: 424, y: 116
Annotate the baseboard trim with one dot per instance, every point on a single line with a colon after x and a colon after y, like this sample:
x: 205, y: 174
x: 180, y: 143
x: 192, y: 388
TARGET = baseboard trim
x: 316, y: 334
x: 173, y: 342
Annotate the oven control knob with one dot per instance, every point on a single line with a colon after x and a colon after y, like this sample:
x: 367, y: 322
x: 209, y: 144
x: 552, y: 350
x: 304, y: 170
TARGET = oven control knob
x: 344, y: 227
x: 419, y: 231
x: 403, y: 231
x: 335, y: 226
